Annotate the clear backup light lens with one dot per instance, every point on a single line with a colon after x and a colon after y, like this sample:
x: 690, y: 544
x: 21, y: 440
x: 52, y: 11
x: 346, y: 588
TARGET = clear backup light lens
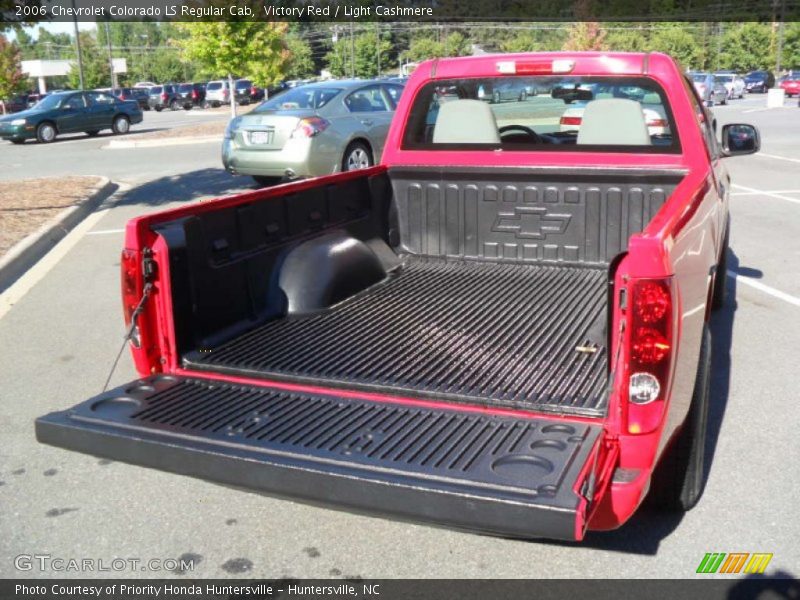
x: 308, y: 128
x: 643, y: 388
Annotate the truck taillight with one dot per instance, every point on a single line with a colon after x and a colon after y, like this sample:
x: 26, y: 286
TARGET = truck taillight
x: 650, y: 335
x: 570, y: 120
x: 310, y: 127
x: 131, y: 283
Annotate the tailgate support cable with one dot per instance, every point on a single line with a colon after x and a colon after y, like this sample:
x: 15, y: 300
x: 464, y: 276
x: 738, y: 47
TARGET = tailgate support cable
x: 148, y: 287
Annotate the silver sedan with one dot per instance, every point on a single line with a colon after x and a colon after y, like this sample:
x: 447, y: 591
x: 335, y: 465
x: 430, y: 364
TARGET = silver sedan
x: 312, y: 130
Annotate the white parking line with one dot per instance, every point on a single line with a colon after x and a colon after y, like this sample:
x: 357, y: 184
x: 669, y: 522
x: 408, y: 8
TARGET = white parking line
x: 775, y: 156
x: 768, y: 194
x: 37, y: 272
x: 105, y: 231
x: 764, y: 288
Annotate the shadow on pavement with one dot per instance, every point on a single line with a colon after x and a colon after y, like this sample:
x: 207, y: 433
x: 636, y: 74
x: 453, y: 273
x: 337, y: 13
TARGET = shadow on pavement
x: 203, y: 183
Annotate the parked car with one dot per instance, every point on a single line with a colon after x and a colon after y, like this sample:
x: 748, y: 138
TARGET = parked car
x: 514, y: 343
x: 505, y: 91
x: 70, y: 112
x: 217, y: 93
x: 191, y: 95
x: 17, y: 103
x: 245, y: 92
x: 651, y: 103
x: 139, y: 95
x: 144, y: 84
x: 312, y: 130
x: 790, y: 83
x: 164, y: 96
x: 733, y: 83
x: 759, y: 81
x: 710, y: 89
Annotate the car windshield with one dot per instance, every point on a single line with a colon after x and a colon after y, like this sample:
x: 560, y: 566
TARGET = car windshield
x: 542, y: 113
x: 186, y: 87
x: 302, y: 97
x: 725, y: 78
x: 214, y: 85
x: 50, y: 102
x: 699, y: 77
x: 754, y: 76
x: 155, y: 90
x: 241, y: 85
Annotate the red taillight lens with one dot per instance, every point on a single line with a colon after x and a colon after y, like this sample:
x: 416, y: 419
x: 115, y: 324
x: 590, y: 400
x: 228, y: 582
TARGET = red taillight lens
x: 651, y: 302
x: 164, y: 96
x: 310, y: 127
x: 194, y: 94
x: 650, y: 330
x: 253, y: 90
x: 656, y: 123
x: 131, y: 283
x: 570, y: 120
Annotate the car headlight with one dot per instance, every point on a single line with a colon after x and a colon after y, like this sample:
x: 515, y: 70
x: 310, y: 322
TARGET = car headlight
x: 18, y: 122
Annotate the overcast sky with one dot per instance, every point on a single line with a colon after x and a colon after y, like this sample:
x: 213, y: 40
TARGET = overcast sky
x: 65, y: 27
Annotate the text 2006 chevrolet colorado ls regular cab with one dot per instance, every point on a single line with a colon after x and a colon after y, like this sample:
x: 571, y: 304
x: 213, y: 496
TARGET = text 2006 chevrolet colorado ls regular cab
x: 503, y: 327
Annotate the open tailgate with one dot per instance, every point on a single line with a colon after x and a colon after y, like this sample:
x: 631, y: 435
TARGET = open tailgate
x: 505, y: 475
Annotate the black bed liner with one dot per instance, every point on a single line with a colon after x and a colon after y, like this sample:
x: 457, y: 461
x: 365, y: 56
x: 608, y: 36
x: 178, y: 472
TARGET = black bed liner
x: 506, y: 334
x: 498, y: 474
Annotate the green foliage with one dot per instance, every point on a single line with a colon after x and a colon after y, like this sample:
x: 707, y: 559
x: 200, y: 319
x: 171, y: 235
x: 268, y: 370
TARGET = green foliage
x: 747, y: 46
x: 96, y: 68
x: 300, y: 63
x: 628, y: 40
x: 585, y: 35
x: 241, y: 48
x: 679, y: 44
x: 365, y: 49
x: 424, y: 47
x: 11, y: 77
x: 791, y: 46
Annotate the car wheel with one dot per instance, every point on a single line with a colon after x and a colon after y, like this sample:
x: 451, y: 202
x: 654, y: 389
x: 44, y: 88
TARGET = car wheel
x: 724, y: 100
x: 357, y: 156
x: 679, y: 478
x: 121, y: 125
x: 496, y: 98
x: 45, y: 132
x: 262, y: 180
x: 173, y: 105
x: 93, y: 132
x: 158, y: 108
x: 523, y: 96
x: 17, y: 142
x: 187, y: 107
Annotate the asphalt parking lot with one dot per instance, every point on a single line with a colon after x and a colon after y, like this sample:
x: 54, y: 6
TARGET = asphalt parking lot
x: 61, y: 327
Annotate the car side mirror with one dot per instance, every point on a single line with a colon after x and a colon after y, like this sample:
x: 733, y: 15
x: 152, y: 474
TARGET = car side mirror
x: 739, y: 139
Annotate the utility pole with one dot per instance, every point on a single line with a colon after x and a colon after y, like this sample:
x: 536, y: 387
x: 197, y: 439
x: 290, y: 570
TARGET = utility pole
x: 778, y: 61
x: 78, y: 43
x: 110, y: 58
x: 352, y: 53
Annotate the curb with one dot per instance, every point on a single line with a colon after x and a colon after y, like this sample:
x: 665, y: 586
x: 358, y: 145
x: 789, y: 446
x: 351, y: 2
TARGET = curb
x: 167, y: 141
x: 28, y: 251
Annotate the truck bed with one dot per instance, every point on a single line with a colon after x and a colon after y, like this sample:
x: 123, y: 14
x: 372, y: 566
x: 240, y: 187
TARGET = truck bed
x: 524, y: 336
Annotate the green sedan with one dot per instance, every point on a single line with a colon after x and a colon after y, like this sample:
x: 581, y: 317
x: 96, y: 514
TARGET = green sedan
x: 70, y: 112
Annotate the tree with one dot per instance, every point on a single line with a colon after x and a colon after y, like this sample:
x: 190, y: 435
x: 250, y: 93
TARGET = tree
x: 96, y: 68
x: 790, y: 57
x: 11, y: 76
x: 425, y: 47
x: 746, y: 47
x: 585, y: 35
x: 236, y: 48
x: 679, y: 44
x: 300, y: 63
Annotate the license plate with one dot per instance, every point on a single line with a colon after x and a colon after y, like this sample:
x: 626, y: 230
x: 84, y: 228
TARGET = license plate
x: 261, y: 137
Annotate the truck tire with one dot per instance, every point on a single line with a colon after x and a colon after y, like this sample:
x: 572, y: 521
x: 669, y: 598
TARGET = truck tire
x: 721, y: 275
x: 679, y: 478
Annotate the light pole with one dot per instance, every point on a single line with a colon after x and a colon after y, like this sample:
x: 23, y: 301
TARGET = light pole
x: 78, y: 43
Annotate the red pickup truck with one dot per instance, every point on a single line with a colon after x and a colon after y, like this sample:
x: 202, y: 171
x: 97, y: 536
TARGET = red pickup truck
x: 503, y: 327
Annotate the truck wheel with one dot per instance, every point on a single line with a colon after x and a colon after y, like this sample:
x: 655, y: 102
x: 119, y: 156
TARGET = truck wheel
x: 679, y: 478
x: 357, y: 156
x: 721, y: 275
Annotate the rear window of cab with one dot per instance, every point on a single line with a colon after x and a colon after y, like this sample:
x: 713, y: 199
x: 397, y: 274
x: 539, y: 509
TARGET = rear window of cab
x: 542, y: 113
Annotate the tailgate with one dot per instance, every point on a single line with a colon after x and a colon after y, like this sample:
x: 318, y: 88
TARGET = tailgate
x: 498, y: 474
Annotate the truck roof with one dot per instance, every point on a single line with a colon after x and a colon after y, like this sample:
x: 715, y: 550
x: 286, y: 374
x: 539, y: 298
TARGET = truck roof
x: 546, y: 63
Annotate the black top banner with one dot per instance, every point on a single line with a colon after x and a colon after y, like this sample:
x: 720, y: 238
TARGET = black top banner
x: 31, y: 11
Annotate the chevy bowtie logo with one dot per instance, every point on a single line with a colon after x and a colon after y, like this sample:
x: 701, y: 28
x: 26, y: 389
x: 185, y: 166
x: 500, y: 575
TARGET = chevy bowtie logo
x: 531, y: 222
